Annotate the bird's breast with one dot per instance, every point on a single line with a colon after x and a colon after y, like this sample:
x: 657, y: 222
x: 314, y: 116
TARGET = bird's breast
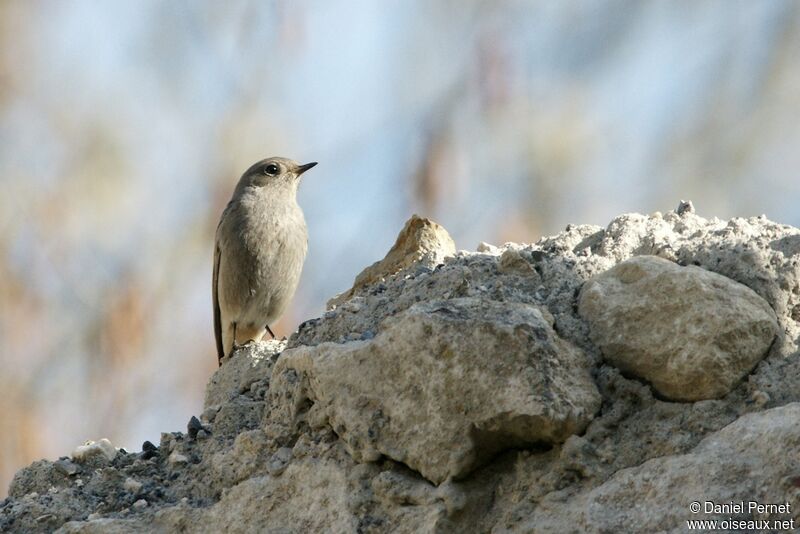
x: 276, y: 232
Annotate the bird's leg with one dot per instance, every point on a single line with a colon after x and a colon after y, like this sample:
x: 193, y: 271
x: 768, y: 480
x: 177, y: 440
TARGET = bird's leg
x: 270, y: 332
x: 234, y: 346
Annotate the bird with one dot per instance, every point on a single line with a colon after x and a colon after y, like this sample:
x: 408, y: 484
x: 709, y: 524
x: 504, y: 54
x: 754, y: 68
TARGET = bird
x: 259, y: 250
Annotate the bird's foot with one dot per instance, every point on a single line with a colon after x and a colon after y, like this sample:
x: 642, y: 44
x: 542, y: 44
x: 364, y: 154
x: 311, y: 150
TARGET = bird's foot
x: 237, y: 346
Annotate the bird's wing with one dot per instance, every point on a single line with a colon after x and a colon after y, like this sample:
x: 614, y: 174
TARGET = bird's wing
x: 217, y: 316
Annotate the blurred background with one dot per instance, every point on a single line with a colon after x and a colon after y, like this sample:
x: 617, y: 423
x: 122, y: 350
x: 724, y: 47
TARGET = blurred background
x: 125, y: 125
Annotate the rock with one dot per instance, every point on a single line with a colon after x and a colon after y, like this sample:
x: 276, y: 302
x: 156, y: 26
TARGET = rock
x: 194, y: 427
x: 169, y: 440
x: 90, y: 449
x: 67, y: 467
x: 132, y: 486
x: 148, y: 450
x: 177, y: 459
x: 421, y: 241
x: 139, y: 504
x: 248, y: 364
x: 279, y: 461
x: 514, y: 260
x: 685, y: 206
x: 444, y: 386
x: 759, y: 398
x: 487, y: 247
x: 691, y: 333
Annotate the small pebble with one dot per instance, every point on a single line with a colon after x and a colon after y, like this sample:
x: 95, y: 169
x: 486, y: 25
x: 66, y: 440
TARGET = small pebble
x: 93, y: 516
x: 101, y: 447
x: 167, y: 442
x: 148, y: 450
x: 759, y: 398
x: 141, y: 503
x: 67, y: 467
x: 279, y: 461
x: 132, y: 486
x: 194, y: 427
x: 685, y: 206
x: 352, y: 306
x: 176, y: 458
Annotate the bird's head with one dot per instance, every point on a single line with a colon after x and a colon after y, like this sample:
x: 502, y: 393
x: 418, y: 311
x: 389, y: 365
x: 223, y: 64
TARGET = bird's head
x: 275, y: 173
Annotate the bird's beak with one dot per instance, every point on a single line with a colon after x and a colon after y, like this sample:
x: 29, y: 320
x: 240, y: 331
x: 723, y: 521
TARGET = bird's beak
x: 303, y: 168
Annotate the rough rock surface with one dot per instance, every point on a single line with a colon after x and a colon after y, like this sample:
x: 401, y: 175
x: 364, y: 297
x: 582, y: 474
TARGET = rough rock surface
x: 269, y: 455
x: 250, y: 370
x: 442, y: 387
x: 729, y: 466
x: 691, y: 333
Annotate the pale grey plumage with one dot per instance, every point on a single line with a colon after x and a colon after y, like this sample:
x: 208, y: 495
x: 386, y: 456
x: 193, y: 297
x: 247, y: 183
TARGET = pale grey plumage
x: 259, y: 251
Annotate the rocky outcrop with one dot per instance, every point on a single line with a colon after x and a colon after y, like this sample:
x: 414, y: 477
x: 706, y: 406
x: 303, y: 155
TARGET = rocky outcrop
x: 600, y: 380
x: 421, y: 243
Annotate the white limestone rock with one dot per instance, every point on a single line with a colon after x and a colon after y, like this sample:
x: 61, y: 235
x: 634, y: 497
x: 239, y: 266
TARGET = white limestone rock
x: 100, y: 448
x: 691, y: 333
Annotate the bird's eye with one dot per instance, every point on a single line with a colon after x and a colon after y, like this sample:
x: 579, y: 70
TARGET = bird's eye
x: 271, y: 169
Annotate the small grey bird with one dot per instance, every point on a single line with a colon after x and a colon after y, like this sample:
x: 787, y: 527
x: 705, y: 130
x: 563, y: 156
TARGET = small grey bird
x: 259, y: 251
